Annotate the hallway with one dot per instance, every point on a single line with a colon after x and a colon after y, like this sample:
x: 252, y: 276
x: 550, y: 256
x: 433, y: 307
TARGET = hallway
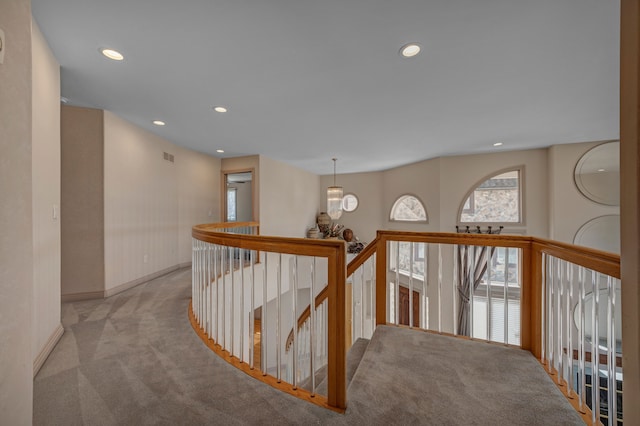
x: 134, y: 359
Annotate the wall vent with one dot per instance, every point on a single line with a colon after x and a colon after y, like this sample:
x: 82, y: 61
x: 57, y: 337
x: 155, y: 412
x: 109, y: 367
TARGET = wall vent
x: 168, y: 157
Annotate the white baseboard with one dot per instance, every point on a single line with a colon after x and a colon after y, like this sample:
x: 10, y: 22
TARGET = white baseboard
x: 47, y: 348
x: 126, y: 286
x: 76, y: 297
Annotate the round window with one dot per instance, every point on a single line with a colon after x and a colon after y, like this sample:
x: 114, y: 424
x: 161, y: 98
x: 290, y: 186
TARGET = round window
x: 349, y: 203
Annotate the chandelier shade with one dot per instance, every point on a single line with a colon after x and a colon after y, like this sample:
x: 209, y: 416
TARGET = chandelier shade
x: 334, y: 197
x: 334, y: 202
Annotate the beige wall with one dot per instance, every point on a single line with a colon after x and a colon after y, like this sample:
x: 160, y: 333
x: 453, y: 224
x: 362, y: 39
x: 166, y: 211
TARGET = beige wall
x: 288, y: 199
x: 82, y: 210
x: 140, y: 203
x: 462, y: 173
x: 198, y: 193
x: 16, y: 242
x: 369, y: 216
x: 46, y: 199
x: 569, y: 208
x: 421, y: 180
x: 128, y: 211
x: 441, y: 184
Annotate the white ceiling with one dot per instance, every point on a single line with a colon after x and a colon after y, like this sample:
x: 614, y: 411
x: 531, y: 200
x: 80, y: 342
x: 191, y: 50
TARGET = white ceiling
x: 307, y: 80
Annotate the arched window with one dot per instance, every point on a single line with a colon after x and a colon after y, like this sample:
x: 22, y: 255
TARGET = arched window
x: 408, y: 208
x: 495, y: 200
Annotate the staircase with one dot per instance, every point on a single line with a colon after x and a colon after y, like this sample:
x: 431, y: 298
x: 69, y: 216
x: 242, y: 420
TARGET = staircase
x: 354, y: 356
x: 405, y: 376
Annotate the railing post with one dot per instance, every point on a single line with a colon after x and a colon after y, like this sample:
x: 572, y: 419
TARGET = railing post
x: 336, y: 365
x: 381, y: 280
x: 531, y: 300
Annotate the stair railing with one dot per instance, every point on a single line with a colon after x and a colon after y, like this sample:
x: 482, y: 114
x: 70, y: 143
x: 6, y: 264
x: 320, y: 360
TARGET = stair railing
x: 235, y: 272
x: 550, y: 298
x: 559, y: 301
x: 360, y: 320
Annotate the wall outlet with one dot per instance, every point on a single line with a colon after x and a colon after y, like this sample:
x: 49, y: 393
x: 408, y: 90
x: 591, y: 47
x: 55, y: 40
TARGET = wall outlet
x: 3, y: 46
x: 145, y: 258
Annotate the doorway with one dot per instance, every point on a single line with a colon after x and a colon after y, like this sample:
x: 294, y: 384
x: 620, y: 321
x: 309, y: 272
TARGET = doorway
x: 238, y: 196
x: 403, y: 307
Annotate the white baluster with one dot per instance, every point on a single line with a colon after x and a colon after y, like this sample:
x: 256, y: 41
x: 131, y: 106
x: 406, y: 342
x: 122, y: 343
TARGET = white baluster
x: 279, y: 319
x: 294, y: 307
x: 312, y: 328
x: 595, y: 350
x: 252, y: 319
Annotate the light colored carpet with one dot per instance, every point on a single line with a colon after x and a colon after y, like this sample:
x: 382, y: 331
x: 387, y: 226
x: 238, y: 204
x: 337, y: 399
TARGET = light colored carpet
x: 133, y: 359
x: 413, y: 377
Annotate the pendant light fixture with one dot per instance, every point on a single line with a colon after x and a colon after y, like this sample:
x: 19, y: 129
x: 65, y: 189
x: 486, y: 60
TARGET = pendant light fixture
x: 334, y: 197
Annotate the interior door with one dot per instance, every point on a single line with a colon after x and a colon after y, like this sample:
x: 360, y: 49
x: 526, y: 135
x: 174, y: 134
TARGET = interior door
x: 403, y: 307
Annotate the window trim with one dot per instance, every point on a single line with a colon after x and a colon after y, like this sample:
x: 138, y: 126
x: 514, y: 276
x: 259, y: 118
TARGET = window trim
x: 424, y: 206
x: 357, y: 202
x: 521, y: 198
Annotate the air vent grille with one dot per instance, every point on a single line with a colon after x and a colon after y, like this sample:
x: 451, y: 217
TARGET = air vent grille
x: 168, y: 157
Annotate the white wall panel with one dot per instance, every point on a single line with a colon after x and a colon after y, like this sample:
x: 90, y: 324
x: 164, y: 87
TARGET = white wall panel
x: 199, y: 195
x: 141, y: 203
x: 16, y: 242
x: 46, y: 192
x: 288, y: 199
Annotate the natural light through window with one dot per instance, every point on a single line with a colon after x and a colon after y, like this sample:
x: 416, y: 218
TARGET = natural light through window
x: 496, y: 200
x: 231, y: 205
x: 408, y: 208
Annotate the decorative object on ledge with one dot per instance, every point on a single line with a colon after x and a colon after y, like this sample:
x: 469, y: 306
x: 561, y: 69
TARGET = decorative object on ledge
x: 334, y: 231
x: 324, y: 221
x: 470, y: 230
x: 355, y: 246
x: 347, y: 235
x: 334, y: 197
x: 313, y: 233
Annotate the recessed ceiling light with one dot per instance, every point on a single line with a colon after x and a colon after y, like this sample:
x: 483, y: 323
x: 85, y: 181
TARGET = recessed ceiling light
x: 220, y: 150
x: 159, y: 122
x: 220, y: 109
x: 112, y: 54
x: 497, y: 144
x: 410, y: 50
x: 601, y: 170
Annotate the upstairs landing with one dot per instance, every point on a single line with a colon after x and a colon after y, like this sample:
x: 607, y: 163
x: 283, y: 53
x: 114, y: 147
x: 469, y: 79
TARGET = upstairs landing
x: 413, y: 377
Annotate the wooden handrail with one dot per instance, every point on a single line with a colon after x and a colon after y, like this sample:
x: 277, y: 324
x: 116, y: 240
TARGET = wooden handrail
x: 362, y: 257
x: 358, y: 261
x: 321, y: 297
x: 533, y: 250
x: 219, y: 225
x: 335, y: 254
x: 600, y: 261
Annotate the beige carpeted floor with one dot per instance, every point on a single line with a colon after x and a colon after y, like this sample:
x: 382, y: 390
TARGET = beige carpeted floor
x: 133, y: 359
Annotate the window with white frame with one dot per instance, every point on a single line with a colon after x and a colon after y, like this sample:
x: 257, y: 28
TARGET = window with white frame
x: 496, y: 200
x: 499, y: 287
x: 408, y: 208
x: 400, y: 254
